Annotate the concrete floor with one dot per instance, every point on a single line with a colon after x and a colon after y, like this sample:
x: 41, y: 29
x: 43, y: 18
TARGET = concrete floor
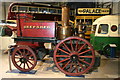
x: 107, y: 69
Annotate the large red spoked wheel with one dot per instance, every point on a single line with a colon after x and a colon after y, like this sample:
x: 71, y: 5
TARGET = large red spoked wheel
x: 74, y: 56
x: 24, y: 58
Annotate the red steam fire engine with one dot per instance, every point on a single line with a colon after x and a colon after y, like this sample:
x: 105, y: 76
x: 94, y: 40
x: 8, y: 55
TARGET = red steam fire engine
x: 72, y: 55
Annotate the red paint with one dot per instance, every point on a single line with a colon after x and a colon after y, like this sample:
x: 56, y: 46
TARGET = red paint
x: 72, y: 56
x: 25, y: 20
x: 25, y: 53
x: 38, y: 16
x: 12, y: 28
x: 33, y: 45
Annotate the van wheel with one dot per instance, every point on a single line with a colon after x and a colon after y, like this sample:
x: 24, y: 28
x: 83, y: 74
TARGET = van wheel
x: 106, y: 51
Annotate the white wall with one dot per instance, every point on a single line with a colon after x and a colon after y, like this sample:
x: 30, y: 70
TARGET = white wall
x: 4, y: 10
x: 116, y: 8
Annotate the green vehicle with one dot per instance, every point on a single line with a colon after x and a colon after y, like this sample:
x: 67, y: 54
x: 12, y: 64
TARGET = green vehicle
x: 105, y: 35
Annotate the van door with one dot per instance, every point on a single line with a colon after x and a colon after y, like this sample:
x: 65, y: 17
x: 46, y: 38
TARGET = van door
x: 101, y: 36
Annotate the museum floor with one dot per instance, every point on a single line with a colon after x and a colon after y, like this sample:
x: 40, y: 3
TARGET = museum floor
x: 107, y: 69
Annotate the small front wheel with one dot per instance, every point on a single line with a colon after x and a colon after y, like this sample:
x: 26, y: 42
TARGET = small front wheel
x: 24, y: 58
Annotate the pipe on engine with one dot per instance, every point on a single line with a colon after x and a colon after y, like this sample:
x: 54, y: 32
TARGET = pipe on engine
x: 65, y: 30
x: 65, y: 16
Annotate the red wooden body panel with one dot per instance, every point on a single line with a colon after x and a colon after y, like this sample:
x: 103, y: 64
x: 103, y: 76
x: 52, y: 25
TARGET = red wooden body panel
x: 34, y: 29
x: 33, y: 45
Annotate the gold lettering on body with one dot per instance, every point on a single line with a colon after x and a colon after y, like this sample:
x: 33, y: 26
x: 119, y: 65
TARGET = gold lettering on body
x: 36, y: 27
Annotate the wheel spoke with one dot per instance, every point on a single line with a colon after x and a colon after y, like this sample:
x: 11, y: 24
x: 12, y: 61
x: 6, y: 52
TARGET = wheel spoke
x: 24, y: 52
x: 66, y: 64
x: 76, y: 68
x: 84, y: 61
x: 80, y: 65
x: 71, y: 45
x: 24, y: 66
x: 81, y: 47
x: 63, y: 51
x: 64, y: 60
x: 76, y: 45
x: 31, y: 59
x: 20, y: 64
x: 67, y: 47
x: 30, y: 55
x: 73, y: 69
x: 84, y: 51
x: 18, y: 54
x: 86, y: 56
x: 27, y: 53
x: 62, y: 56
x: 30, y: 63
x: 27, y: 65
x: 71, y: 64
